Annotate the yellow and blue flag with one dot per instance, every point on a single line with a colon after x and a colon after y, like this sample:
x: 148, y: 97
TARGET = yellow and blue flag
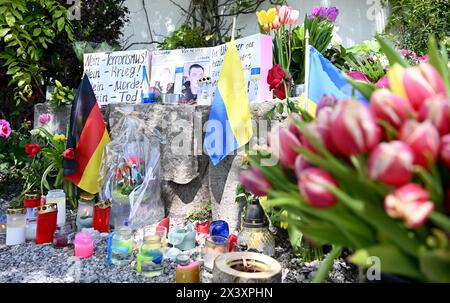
x: 327, y: 79
x: 229, y: 126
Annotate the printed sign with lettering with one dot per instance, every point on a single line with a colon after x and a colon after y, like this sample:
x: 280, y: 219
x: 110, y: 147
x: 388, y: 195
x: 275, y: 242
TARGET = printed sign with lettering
x: 117, y: 77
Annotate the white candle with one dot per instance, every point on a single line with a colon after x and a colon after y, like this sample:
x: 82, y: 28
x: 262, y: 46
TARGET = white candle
x: 58, y: 197
x: 30, y: 231
x: 15, y: 235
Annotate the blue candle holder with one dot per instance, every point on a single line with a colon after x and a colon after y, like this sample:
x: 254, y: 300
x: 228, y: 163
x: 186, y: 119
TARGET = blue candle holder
x: 219, y: 228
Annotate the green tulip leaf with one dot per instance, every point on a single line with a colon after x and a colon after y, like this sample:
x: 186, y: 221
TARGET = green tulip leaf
x: 435, y: 264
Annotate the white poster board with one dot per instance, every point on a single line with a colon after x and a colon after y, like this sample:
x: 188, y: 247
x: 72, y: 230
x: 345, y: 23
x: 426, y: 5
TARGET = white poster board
x: 117, y: 77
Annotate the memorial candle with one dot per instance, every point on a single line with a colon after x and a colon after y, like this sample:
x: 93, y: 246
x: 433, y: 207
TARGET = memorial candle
x: 46, y: 223
x: 84, y: 245
x: 102, y: 211
x: 58, y: 197
x: 15, y: 226
x: 187, y: 271
x: 85, y: 211
x: 31, y: 203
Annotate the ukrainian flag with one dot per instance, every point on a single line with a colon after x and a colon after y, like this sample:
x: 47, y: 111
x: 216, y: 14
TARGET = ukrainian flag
x: 229, y: 126
x: 326, y: 79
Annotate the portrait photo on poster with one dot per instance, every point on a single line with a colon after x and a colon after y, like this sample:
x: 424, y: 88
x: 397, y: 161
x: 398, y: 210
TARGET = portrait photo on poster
x: 193, y: 72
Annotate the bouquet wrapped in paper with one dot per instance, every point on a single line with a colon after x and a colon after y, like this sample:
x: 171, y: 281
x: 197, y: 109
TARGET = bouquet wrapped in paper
x: 130, y: 174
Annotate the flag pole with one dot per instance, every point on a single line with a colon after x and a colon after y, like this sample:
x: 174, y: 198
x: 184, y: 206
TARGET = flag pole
x: 307, y: 68
x: 234, y: 28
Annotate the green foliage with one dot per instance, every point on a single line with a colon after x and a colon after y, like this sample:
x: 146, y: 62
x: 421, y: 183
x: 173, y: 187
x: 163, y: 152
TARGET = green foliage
x: 187, y: 37
x: 411, y: 22
x: 27, y: 29
x: 61, y: 95
x: 201, y: 214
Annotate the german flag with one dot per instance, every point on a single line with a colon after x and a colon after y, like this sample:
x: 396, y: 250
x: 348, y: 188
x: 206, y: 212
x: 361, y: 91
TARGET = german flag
x: 87, y: 136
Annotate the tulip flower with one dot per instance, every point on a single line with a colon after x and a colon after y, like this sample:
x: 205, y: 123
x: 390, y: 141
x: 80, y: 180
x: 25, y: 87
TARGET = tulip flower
x: 423, y: 139
x: 422, y: 82
x: 300, y: 165
x: 312, y: 184
x: 32, y: 149
x: 395, y: 79
x: 326, y: 101
x: 69, y: 153
x: 293, y: 17
x: 292, y: 127
x: 321, y: 130
x: 437, y: 110
x: 390, y: 108
x: 45, y: 118
x: 383, y: 82
x: 5, y: 129
x: 444, y: 150
x: 254, y: 180
x: 276, y: 23
x: 266, y: 18
x: 358, y: 76
x: 410, y: 203
x: 332, y: 13
x: 284, y: 145
x: 283, y: 12
x: 391, y: 163
x: 353, y: 128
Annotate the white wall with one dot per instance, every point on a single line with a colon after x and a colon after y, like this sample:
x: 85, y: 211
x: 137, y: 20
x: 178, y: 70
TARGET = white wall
x: 358, y: 19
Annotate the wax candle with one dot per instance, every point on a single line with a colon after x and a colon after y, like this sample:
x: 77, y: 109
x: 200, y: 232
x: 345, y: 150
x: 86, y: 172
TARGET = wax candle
x: 15, y: 226
x: 102, y: 212
x: 214, y: 246
x: 31, y: 203
x: 58, y: 197
x: 219, y: 228
x: 46, y: 223
x: 183, y: 238
x: 187, y: 271
x: 85, y: 211
x: 84, y: 245
x: 203, y: 228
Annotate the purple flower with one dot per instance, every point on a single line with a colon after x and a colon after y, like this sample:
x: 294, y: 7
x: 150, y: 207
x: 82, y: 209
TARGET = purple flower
x: 326, y: 101
x: 45, y: 118
x: 332, y: 13
x: 323, y: 11
x: 315, y: 11
x: 5, y: 128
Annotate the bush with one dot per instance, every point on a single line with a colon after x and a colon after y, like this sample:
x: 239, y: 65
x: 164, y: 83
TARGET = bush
x: 411, y: 22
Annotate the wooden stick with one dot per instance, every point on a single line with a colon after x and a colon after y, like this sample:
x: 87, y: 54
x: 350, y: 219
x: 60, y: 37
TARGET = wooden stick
x: 307, y: 70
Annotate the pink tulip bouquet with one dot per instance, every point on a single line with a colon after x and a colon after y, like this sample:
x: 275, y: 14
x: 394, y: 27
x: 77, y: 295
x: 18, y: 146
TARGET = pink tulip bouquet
x: 372, y: 178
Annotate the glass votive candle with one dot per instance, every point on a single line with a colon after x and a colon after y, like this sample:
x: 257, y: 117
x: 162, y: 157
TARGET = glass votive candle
x: 214, y: 246
x: 150, y: 257
x: 15, y: 226
x: 85, y: 211
x: 31, y: 203
x: 84, y: 245
x: 219, y: 228
x: 102, y: 213
x: 187, y: 271
x: 160, y: 231
x: 122, y: 246
x: 58, y: 197
x: 61, y: 236
x: 46, y: 223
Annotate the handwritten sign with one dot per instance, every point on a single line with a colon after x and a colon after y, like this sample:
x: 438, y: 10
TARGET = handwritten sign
x: 117, y: 77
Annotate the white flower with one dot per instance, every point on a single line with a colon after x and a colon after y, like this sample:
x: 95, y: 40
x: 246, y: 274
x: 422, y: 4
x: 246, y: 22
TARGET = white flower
x: 336, y: 41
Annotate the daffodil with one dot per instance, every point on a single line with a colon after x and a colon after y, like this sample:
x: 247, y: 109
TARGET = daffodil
x: 283, y: 224
x: 59, y: 138
x: 266, y: 18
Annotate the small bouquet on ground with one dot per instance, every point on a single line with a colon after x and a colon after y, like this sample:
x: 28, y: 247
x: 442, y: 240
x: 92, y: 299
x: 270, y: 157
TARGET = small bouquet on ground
x: 129, y: 175
x: 373, y: 178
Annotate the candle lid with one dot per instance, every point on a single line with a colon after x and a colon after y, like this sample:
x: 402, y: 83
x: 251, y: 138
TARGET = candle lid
x: 103, y: 204
x: 15, y: 211
x: 32, y: 196
x: 87, y: 197
x: 47, y: 208
x: 183, y: 259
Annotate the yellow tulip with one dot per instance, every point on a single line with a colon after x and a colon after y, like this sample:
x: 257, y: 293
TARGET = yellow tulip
x: 59, y: 138
x: 266, y: 18
x: 283, y: 224
x: 395, y: 77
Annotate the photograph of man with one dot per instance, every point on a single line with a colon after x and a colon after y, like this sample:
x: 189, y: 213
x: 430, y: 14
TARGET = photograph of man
x: 165, y: 81
x: 190, y: 90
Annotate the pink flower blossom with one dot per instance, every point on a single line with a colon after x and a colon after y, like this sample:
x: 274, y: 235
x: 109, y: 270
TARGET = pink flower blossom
x: 45, y: 118
x: 5, y: 128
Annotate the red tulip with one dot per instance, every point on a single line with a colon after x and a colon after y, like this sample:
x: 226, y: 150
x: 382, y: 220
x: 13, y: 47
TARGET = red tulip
x: 358, y: 76
x: 410, y: 203
x: 32, y: 149
x: 69, y: 153
x: 312, y: 185
x: 321, y: 130
x: 353, y: 128
x: 390, y: 108
x: 391, y: 163
x: 275, y: 76
x: 444, y: 150
x: 284, y: 145
x: 292, y: 127
x: 423, y: 139
x: 422, y: 82
x: 437, y: 110
x: 254, y: 180
x: 280, y: 92
x: 300, y: 165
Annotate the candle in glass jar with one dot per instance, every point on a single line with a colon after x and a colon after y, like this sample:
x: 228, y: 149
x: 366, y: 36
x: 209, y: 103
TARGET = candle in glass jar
x: 31, y: 202
x: 102, y: 212
x: 15, y: 226
x: 58, y: 197
x: 46, y: 223
x: 85, y: 211
x: 187, y: 271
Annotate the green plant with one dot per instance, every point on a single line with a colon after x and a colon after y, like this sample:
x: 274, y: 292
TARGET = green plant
x: 201, y: 214
x: 186, y: 37
x: 411, y: 22
x: 61, y: 95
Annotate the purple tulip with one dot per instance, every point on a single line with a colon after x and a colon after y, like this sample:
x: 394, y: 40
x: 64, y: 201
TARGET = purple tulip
x: 326, y: 101
x: 254, y: 180
x: 332, y: 13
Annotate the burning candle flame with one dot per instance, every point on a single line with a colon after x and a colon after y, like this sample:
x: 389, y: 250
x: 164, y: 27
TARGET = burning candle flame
x: 244, y: 262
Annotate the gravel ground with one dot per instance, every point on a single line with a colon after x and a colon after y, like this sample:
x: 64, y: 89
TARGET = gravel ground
x: 43, y: 263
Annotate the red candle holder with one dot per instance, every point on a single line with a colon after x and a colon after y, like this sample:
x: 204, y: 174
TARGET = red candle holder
x: 46, y: 223
x: 203, y: 228
x: 102, y: 212
x: 32, y: 200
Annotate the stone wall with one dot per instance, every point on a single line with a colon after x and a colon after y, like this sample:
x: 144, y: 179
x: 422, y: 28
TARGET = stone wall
x: 189, y: 180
